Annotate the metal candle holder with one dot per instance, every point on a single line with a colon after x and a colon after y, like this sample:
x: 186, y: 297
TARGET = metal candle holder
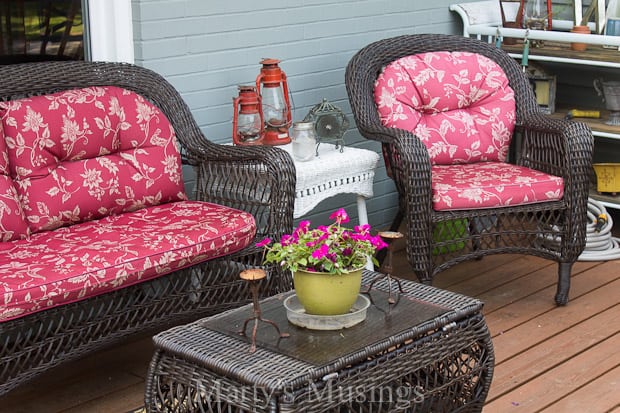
x: 386, y: 268
x: 253, y: 277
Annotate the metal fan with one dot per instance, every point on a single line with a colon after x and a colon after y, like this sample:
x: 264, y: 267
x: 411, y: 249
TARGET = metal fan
x: 330, y: 124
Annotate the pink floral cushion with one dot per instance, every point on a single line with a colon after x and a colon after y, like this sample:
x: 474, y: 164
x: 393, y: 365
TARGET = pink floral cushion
x: 13, y: 223
x: 12, y: 220
x: 53, y: 268
x: 491, y: 185
x: 458, y: 103
x: 84, y: 154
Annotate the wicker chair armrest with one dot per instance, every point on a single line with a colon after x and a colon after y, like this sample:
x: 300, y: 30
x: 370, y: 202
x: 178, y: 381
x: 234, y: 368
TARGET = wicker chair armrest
x: 408, y: 164
x: 556, y: 146
x: 410, y: 154
x: 405, y: 156
x: 376, y: 131
x: 563, y: 148
x: 257, y: 179
x: 411, y: 167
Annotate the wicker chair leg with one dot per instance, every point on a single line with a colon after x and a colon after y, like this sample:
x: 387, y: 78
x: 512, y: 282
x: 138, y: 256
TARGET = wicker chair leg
x: 564, y: 269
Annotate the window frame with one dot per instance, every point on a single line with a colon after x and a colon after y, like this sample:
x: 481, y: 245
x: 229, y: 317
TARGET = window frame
x: 110, y: 30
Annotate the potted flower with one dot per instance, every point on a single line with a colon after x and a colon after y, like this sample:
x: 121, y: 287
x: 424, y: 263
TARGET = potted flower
x: 326, y: 262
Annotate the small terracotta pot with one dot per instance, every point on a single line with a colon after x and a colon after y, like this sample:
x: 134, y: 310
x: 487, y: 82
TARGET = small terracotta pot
x: 579, y: 47
x: 510, y: 40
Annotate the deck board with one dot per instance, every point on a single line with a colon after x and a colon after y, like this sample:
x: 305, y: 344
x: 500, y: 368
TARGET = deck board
x: 549, y: 358
x: 558, y: 349
x: 595, y: 393
x: 528, y: 306
x: 543, y: 327
x: 563, y: 380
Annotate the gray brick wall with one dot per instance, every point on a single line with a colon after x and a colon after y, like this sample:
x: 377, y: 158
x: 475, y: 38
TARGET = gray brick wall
x: 205, y: 48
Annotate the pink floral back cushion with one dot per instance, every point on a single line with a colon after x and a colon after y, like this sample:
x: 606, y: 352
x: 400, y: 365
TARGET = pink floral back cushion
x: 12, y: 220
x: 84, y: 154
x: 458, y: 103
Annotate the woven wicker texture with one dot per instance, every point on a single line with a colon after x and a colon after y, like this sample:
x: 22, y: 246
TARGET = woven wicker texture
x: 332, y: 173
x: 260, y: 180
x: 441, y: 365
x: 436, y: 240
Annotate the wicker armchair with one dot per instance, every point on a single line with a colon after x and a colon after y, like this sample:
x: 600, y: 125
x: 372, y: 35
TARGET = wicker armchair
x: 438, y: 239
x: 259, y: 180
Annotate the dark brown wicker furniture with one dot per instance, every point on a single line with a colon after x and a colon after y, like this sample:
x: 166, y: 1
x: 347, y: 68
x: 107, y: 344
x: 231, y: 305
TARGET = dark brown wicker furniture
x: 260, y: 180
x: 431, y: 353
x: 552, y: 230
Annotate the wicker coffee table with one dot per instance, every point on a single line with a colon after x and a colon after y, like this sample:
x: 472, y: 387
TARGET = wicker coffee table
x: 430, y: 352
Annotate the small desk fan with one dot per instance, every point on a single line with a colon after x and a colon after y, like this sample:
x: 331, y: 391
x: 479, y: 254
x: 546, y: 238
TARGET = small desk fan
x: 330, y: 124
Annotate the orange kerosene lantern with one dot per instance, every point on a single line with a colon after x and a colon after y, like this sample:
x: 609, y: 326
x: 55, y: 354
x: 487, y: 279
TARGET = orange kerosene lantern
x: 276, y: 108
x: 248, y: 124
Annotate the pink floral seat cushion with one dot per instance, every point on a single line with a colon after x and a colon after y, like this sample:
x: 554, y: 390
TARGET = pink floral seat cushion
x: 491, y: 185
x: 88, y: 153
x: 68, y: 264
x: 459, y: 104
x: 12, y: 220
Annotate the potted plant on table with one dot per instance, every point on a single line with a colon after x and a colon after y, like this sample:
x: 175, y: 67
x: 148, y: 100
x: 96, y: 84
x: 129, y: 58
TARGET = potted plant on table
x: 326, y: 262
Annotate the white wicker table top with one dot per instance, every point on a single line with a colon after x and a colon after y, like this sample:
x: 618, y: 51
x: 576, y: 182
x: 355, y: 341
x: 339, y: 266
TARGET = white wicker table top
x: 332, y: 173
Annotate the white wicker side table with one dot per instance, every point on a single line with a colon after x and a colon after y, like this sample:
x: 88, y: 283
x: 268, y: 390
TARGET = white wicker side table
x: 351, y: 171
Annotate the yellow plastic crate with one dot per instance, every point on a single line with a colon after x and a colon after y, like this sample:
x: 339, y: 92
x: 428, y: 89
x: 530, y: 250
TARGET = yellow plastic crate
x: 607, y: 177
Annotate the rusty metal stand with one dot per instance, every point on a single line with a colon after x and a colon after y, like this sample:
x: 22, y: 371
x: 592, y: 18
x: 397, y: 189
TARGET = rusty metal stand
x: 253, y: 276
x: 386, y: 268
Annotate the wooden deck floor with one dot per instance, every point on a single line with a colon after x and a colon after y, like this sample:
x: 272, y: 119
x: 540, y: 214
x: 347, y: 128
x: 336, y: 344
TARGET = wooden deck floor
x: 548, y: 358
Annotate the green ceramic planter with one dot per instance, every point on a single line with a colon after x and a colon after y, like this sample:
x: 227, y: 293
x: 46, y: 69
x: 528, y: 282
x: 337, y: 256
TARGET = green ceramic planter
x: 327, y: 294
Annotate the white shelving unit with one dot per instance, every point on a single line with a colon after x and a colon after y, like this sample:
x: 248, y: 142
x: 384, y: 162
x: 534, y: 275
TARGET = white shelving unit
x: 482, y: 20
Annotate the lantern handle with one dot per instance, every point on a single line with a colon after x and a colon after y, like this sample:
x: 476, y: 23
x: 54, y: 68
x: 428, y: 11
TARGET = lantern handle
x: 284, y: 83
x: 259, y: 78
x: 235, y: 119
x: 289, y: 118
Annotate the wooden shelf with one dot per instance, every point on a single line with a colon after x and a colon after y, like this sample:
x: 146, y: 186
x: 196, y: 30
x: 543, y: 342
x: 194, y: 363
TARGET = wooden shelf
x: 562, y: 50
x: 597, y: 125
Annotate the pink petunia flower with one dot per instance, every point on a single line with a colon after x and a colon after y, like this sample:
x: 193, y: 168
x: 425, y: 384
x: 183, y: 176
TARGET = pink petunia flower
x: 340, y: 216
x: 320, y: 252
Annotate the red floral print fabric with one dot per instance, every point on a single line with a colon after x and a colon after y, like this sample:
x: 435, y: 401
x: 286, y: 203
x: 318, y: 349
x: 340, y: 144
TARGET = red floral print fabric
x: 84, y: 154
x: 13, y: 223
x: 53, y: 268
x: 491, y: 185
x: 459, y: 104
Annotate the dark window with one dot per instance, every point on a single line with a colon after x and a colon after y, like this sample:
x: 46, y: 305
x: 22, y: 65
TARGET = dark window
x: 35, y: 30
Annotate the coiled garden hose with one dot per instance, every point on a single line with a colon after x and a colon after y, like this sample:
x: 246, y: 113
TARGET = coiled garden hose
x: 600, y: 244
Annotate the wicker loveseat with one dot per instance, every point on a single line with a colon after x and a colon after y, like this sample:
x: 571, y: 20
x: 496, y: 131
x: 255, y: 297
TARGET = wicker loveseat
x: 99, y: 240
